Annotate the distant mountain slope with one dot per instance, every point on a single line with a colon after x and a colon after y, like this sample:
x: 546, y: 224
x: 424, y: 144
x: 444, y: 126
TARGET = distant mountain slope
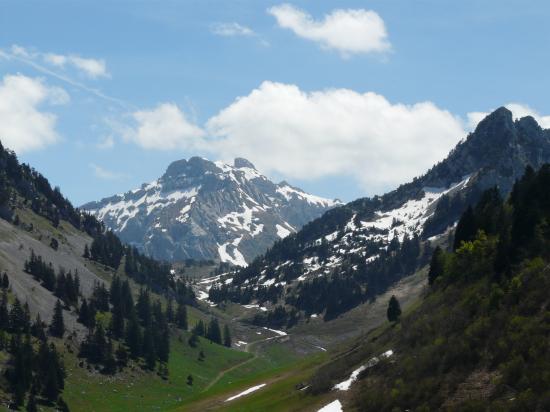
x: 478, y: 339
x: 208, y: 210
x: 356, y: 251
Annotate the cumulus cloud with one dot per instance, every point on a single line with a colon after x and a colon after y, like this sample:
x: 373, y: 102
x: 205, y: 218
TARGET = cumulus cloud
x: 350, y: 31
x: 164, y: 127
x: 333, y: 132
x: 105, y: 174
x: 518, y: 110
x: 231, y: 29
x: 23, y: 126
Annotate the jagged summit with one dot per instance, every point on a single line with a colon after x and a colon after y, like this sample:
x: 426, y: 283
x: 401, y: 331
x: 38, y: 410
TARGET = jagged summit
x: 208, y: 210
x: 241, y: 162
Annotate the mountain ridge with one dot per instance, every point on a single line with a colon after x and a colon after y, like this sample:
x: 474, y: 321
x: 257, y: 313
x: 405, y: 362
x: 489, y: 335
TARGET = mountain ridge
x: 201, y: 209
x: 355, y: 251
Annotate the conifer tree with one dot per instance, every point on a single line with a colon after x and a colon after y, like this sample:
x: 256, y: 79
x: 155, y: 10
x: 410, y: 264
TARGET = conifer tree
x: 38, y: 328
x: 57, y: 327
x: 170, y: 311
x: 116, y: 326
x: 133, y: 336
x: 181, y: 317
x: 199, y: 328
x: 31, y: 403
x: 149, y: 347
x: 17, y: 317
x: 394, y: 309
x: 84, y: 315
x: 226, y: 336
x: 466, y: 228
x: 193, y: 339
x: 4, y: 315
x: 436, y: 265
x: 214, y: 333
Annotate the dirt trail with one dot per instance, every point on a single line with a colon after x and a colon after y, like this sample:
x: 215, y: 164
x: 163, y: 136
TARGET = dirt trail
x: 248, y: 349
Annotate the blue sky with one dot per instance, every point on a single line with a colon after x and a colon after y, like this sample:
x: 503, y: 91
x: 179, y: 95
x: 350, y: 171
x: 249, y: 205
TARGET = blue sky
x: 341, y: 98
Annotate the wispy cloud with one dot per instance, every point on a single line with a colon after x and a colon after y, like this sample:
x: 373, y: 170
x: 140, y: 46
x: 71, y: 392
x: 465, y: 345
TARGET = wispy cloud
x: 90, y: 67
x: 108, y: 142
x: 234, y: 29
x: 105, y: 174
x: 231, y: 29
x: 93, y: 68
x: 34, y: 60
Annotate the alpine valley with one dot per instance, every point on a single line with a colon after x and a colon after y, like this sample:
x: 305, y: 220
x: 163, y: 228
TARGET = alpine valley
x: 431, y: 297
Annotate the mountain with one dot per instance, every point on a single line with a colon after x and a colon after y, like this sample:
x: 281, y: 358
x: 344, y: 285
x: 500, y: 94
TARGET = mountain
x: 354, y: 252
x: 478, y: 338
x: 208, y: 210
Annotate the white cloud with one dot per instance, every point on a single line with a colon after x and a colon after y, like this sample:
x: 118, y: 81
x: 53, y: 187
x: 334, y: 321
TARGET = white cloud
x: 108, y: 142
x: 333, y: 132
x: 165, y: 127
x: 231, y: 29
x: 36, y: 61
x: 105, y: 174
x: 92, y: 68
x: 519, y: 110
x: 23, y: 126
x: 347, y: 31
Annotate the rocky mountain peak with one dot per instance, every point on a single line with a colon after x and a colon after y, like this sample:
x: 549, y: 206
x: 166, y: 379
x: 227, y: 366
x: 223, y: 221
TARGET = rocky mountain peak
x: 208, y: 210
x: 241, y: 162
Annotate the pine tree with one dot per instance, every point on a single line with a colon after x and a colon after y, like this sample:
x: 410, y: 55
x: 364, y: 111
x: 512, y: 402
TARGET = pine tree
x: 38, y: 328
x: 122, y: 356
x: 116, y: 326
x: 62, y: 405
x: 86, y: 252
x: 4, y: 315
x: 226, y: 336
x: 31, y: 403
x: 199, y: 328
x: 149, y: 347
x: 170, y: 311
x: 394, y: 309
x: 5, y: 281
x: 214, y: 333
x: 181, y: 317
x: 109, y: 363
x: 436, y: 265
x: 143, y: 307
x: 190, y: 380
x: 466, y: 228
x: 84, y: 315
x: 193, y: 340
x: 133, y: 336
x: 57, y: 327
x: 17, y: 317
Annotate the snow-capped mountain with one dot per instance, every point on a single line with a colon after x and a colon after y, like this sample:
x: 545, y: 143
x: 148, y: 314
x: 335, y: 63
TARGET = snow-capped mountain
x: 356, y: 251
x: 209, y: 210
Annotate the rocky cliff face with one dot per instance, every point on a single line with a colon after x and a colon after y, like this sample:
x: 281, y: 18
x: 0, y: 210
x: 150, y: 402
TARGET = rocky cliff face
x: 208, y: 210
